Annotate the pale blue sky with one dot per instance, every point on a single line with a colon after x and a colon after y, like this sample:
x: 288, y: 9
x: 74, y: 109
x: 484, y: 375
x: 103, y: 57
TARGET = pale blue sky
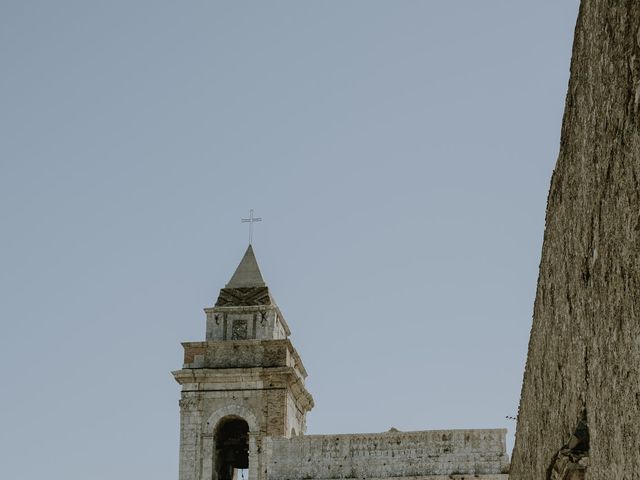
x: 399, y: 153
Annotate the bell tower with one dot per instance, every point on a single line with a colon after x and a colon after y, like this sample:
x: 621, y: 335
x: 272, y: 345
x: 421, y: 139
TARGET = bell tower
x: 245, y: 382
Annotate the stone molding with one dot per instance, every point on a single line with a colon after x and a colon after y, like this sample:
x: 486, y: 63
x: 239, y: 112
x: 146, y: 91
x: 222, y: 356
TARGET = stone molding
x: 231, y: 410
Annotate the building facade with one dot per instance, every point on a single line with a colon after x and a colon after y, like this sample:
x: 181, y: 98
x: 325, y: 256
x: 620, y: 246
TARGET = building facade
x: 244, y: 402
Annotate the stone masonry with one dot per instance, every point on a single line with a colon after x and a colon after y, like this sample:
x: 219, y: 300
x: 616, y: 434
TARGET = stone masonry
x: 579, y: 411
x: 244, y: 404
x: 436, y: 453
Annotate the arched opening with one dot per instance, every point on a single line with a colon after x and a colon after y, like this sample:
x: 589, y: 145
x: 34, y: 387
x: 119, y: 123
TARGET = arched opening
x: 232, y: 449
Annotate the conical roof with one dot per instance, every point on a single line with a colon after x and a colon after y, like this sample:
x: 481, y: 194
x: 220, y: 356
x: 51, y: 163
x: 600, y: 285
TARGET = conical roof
x: 248, y: 273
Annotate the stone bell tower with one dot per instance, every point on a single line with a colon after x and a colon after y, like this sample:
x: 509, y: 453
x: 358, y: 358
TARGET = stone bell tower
x: 245, y: 382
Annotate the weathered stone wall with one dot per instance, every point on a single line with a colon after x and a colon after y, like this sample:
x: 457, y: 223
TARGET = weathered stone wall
x: 393, y: 454
x: 584, y: 349
x: 244, y: 323
x: 243, y: 354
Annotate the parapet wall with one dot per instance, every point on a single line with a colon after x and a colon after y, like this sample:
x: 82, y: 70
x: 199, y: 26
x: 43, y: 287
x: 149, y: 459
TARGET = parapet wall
x: 425, y: 454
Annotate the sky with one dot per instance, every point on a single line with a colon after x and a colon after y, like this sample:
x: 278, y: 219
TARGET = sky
x: 398, y: 152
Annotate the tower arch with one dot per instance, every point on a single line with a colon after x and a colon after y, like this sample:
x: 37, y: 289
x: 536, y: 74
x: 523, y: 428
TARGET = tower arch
x: 231, y: 411
x: 231, y: 447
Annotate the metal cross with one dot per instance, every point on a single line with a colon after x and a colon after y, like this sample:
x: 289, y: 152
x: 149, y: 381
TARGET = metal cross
x: 251, y: 220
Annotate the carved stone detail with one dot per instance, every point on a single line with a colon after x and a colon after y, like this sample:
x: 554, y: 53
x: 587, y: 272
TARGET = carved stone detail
x: 239, y: 330
x: 188, y: 403
x: 244, y: 297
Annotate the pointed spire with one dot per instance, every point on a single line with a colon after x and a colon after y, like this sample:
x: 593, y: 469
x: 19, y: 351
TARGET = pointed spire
x: 248, y: 273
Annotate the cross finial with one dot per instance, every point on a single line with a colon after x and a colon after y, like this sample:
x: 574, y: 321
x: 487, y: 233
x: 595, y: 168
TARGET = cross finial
x: 251, y: 220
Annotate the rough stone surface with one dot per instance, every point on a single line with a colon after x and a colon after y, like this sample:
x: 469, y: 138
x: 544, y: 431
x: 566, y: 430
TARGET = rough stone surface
x: 584, y: 349
x: 436, y: 453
